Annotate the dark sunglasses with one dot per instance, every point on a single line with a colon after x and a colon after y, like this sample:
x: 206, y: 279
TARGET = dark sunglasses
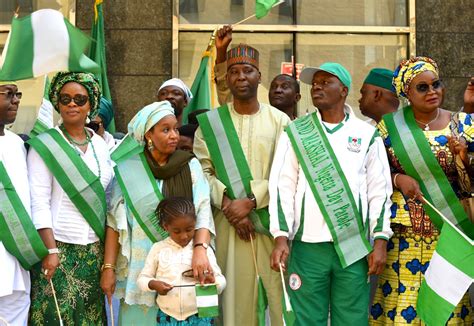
x: 79, y: 99
x: 10, y: 95
x: 423, y: 88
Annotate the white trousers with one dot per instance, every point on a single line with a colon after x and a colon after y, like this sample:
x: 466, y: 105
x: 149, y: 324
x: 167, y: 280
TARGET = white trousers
x: 14, y: 309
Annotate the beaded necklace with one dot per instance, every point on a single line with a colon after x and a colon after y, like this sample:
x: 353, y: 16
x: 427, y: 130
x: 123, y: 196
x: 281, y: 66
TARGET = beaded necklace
x: 87, y: 141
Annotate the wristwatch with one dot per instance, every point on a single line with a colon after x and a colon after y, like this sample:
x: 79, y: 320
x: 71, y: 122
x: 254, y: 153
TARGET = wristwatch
x: 253, y: 199
x: 204, y: 245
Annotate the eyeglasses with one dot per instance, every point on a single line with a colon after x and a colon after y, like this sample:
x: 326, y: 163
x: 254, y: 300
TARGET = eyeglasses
x: 79, y: 99
x: 11, y: 94
x: 424, y: 88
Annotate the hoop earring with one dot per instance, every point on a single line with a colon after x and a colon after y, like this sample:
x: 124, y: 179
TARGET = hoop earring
x: 150, y: 145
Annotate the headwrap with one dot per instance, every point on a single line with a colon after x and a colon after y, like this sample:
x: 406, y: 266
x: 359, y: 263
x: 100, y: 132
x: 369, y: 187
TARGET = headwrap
x: 180, y: 84
x: 408, y: 70
x: 147, y: 117
x: 242, y: 53
x: 380, y: 77
x: 106, y: 111
x: 90, y: 83
x: 8, y: 82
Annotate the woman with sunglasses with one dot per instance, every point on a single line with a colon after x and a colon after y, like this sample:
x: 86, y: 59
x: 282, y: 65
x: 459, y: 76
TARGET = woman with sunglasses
x: 149, y: 169
x: 421, y: 147
x: 69, y: 170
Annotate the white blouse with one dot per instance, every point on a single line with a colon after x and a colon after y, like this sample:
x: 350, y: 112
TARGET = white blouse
x: 51, y: 206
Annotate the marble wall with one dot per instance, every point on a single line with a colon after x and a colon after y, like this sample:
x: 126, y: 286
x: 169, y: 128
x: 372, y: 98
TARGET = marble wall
x: 138, y: 48
x: 445, y: 32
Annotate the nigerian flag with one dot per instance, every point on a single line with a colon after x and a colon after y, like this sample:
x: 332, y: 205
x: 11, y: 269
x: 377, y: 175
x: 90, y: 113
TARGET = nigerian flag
x: 41, y: 43
x: 207, y: 300
x: 262, y: 302
x: 448, y: 277
x: 201, y: 89
x: 44, y: 121
x: 262, y: 7
x: 97, y: 53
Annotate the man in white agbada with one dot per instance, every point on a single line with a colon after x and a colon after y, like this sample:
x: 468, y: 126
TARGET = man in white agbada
x: 176, y: 92
x: 14, y: 279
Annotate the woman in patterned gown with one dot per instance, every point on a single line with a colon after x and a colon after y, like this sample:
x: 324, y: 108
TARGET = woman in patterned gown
x: 415, y: 234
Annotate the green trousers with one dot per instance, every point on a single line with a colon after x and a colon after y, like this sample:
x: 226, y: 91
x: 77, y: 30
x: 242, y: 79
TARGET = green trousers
x: 319, y: 284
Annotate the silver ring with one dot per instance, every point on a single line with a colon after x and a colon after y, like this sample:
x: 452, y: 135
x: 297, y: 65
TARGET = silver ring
x: 205, y: 272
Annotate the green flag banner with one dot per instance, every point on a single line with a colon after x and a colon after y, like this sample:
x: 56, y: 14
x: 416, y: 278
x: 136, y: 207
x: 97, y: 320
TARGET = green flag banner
x: 262, y: 302
x: 97, y: 53
x: 41, y: 43
x: 207, y: 300
x: 201, y: 89
x: 262, y: 7
x: 449, y: 276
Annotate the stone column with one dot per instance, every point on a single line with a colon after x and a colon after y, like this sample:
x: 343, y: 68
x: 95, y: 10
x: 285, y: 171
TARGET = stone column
x: 445, y: 32
x: 139, y: 50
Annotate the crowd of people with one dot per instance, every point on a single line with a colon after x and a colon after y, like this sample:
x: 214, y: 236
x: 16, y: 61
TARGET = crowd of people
x: 233, y: 198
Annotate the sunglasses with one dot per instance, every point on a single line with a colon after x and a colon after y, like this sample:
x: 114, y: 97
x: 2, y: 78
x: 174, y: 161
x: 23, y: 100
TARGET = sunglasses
x: 10, y: 95
x: 79, y: 99
x: 424, y: 88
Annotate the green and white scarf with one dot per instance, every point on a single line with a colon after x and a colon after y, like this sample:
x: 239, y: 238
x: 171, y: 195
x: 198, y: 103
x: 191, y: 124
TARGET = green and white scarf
x: 19, y: 235
x: 138, y: 186
x: 414, y: 154
x: 82, y: 186
x: 330, y: 188
x: 229, y: 160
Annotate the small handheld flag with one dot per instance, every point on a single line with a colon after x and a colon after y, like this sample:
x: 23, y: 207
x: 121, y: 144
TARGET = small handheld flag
x: 207, y: 300
x: 453, y: 260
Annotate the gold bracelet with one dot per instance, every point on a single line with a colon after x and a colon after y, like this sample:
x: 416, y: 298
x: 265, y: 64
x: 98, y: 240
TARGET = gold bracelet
x: 107, y: 266
x: 395, y: 180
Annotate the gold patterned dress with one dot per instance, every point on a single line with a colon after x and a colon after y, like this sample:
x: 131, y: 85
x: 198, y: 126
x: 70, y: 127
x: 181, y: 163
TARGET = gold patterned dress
x: 415, y: 237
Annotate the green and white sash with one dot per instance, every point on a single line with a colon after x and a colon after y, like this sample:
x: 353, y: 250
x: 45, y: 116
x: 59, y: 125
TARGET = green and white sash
x: 81, y: 185
x: 19, y: 235
x: 414, y: 154
x: 330, y: 188
x: 229, y: 160
x: 139, y: 187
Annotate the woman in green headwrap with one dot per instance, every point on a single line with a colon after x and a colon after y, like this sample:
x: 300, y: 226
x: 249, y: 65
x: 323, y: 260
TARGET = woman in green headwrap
x: 69, y: 169
x: 421, y: 147
x: 148, y: 169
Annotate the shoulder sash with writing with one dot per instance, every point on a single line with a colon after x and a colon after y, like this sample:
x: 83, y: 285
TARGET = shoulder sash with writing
x: 330, y: 188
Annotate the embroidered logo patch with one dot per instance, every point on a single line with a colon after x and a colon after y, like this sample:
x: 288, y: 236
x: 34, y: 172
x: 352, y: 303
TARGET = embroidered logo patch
x: 353, y: 144
x: 295, y: 281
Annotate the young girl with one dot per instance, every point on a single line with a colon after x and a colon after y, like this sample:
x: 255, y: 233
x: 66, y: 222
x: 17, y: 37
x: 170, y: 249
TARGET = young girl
x: 168, y: 266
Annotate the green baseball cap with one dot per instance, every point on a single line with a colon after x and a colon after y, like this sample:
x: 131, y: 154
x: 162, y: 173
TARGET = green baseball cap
x: 380, y: 77
x: 333, y: 68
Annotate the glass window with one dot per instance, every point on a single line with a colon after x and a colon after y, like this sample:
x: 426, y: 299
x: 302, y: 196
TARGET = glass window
x: 32, y: 89
x: 360, y: 34
x: 26, y: 7
x: 274, y: 49
x: 358, y: 53
x: 352, y: 12
x: 230, y: 12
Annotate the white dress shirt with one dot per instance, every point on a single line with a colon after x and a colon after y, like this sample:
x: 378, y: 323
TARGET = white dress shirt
x: 51, y: 206
x: 13, y: 155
